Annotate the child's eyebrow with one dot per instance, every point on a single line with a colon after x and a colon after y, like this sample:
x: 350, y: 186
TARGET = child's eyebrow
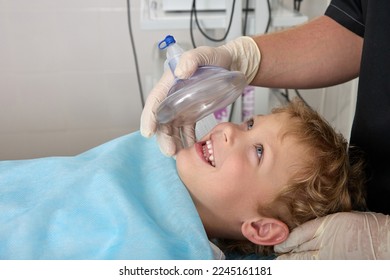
x: 257, y: 118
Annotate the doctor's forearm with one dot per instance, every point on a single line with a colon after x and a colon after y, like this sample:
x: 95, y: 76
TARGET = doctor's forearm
x: 318, y: 54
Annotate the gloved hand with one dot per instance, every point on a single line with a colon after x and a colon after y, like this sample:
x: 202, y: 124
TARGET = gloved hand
x: 241, y: 54
x: 345, y: 235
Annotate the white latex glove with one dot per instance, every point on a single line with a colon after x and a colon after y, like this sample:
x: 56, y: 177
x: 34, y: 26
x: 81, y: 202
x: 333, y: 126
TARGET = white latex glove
x: 241, y: 54
x: 346, y: 235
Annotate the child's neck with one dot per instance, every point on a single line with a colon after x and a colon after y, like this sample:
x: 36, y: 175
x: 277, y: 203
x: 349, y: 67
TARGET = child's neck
x: 217, y: 227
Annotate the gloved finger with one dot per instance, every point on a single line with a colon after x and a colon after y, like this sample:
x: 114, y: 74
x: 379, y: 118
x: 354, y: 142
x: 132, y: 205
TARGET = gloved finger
x: 201, y: 56
x: 148, y: 124
x: 169, y: 139
x: 188, y: 135
x: 299, y: 236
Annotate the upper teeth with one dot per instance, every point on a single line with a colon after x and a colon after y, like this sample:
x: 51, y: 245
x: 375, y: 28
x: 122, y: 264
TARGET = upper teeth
x: 208, y: 152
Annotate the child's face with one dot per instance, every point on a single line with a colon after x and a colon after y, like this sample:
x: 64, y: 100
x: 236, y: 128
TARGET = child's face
x: 250, y: 164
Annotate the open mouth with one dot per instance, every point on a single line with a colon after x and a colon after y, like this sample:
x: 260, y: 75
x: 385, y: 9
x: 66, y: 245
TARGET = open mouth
x: 208, y: 152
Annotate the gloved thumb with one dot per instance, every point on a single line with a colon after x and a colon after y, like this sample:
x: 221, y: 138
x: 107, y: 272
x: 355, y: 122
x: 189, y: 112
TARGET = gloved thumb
x: 201, y: 56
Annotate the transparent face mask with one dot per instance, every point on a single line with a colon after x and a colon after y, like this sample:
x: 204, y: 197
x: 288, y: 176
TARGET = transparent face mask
x: 209, y: 89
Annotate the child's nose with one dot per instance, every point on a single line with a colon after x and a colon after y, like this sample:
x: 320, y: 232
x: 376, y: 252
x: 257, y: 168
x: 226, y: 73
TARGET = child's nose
x: 229, y: 132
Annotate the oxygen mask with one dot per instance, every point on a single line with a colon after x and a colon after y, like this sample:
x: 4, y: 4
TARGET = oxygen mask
x: 209, y: 89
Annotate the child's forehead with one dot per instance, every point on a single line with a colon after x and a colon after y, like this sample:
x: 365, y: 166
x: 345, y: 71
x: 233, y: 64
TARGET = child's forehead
x: 281, y: 121
x: 284, y: 118
x: 290, y: 125
x: 274, y: 115
x: 279, y: 124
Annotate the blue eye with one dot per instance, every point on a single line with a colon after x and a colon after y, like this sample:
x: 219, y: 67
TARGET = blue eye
x: 250, y: 123
x: 259, y: 150
x: 258, y: 147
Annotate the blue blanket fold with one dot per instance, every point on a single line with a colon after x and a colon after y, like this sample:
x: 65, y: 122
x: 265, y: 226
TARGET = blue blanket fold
x: 120, y: 200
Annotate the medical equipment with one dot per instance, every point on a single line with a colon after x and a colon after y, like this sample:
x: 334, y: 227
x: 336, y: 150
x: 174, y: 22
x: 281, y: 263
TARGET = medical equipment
x: 257, y: 17
x: 208, y: 90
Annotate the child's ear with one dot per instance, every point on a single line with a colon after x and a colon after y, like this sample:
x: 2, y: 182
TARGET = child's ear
x: 265, y: 231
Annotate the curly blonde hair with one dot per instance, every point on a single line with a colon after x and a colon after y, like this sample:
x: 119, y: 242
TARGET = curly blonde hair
x: 330, y: 180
